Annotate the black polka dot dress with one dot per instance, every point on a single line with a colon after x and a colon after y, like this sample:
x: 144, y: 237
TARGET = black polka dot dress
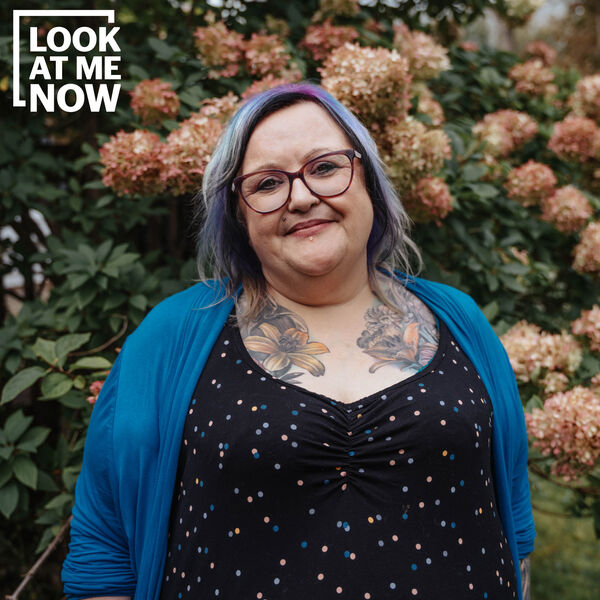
x: 285, y: 493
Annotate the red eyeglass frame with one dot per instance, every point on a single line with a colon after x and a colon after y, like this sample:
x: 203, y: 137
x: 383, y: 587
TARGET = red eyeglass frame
x: 350, y: 153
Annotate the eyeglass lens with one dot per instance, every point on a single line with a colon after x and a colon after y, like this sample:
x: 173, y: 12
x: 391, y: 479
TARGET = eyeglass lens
x: 325, y: 176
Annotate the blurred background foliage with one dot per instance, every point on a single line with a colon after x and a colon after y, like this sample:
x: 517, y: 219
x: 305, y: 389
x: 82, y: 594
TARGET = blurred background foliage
x: 83, y: 262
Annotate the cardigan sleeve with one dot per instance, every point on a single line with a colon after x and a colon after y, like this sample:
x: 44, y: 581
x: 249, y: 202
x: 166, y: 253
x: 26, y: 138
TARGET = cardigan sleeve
x: 98, y: 562
x: 521, y: 497
x: 518, y: 450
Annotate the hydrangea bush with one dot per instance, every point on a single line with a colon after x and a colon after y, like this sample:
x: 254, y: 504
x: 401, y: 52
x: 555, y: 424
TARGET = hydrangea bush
x: 496, y: 158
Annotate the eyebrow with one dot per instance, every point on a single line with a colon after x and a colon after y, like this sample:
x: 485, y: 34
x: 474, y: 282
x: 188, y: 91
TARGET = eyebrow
x: 314, y: 153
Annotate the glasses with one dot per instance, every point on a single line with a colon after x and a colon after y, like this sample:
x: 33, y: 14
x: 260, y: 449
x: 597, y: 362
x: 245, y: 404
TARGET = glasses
x: 326, y: 176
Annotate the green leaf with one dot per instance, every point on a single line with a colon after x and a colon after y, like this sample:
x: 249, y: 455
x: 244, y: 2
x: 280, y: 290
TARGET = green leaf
x: 122, y: 260
x: 515, y: 268
x: 33, y: 438
x: 534, y: 402
x: 77, y: 279
x: 163, y: 50
x: 138, y: 72
x: 46, y: 538
x: 25, y: 471
x: 16, y: 425
x: 138, y: 301
x: 46, y: 483
x: 91, y: 362
x: 73, y: 400
x: 20, y: 382
x: 59, y: 501
x: 45, y: 349
x: 491, y: 310
x: 55, y: 385
x: 68, y: 343
x: 113, y: 300
x: 473, y: 172
x: 5, y: 472
x: 79, y: 382
x: 9, y: 496
x: 69, y: 476
x: 484, y: 190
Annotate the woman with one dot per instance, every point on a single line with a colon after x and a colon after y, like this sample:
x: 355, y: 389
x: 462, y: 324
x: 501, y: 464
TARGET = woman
x: 311, y: 423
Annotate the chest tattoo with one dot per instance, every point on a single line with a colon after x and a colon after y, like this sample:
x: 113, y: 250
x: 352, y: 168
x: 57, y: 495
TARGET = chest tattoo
x: 407, y: 341
x: 278, y: 340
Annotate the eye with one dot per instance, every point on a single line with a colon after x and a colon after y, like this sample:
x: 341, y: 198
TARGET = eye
x: 323, y: 167
x: 264, y: 183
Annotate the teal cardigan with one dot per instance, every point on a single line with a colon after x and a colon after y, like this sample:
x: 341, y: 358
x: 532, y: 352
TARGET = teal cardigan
x: 123, y: 495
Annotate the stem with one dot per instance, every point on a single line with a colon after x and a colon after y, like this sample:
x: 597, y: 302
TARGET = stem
x: 40, y: 561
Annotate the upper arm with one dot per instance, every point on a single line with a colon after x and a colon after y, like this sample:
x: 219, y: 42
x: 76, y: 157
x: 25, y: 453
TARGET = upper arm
x: 99, y: 560
x: 515, y: 435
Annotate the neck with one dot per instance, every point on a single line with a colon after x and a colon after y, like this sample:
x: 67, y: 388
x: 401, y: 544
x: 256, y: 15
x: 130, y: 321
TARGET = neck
x: 314, y: 295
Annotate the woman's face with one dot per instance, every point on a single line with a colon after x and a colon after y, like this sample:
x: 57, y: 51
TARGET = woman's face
x: 309, y: 236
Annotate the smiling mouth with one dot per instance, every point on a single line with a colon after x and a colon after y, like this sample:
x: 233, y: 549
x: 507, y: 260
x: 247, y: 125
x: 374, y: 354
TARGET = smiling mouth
x: 308, y: 227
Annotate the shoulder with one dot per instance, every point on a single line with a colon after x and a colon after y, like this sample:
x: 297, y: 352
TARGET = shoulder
x: 173, y: 312
x: 442, y: 295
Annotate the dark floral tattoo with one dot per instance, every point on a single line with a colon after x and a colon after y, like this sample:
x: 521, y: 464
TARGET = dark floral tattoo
x: 525, y: 579
x: 408, y: 340
x: 278, y: 340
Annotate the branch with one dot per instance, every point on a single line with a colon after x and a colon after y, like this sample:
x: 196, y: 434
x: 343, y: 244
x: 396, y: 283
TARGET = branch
x: 106, y: 344
x: 40, y: 561
x: 549, y: 512
x: 591, y: 491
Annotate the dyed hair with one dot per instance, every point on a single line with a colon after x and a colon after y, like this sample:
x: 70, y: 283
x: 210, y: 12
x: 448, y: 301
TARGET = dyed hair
x: 223, y: 248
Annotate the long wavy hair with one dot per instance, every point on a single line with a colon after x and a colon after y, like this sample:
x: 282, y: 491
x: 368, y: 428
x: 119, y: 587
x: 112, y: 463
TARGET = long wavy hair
x: 223, y: 249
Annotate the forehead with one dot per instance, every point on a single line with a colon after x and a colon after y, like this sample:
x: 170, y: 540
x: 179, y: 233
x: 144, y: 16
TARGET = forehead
x: 291, y: 134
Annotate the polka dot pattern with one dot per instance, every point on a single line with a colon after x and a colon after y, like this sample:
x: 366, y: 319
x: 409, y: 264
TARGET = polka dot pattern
x: 285, y: 493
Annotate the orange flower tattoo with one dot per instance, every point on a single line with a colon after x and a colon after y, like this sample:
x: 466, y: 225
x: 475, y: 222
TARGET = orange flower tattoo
x: 287, y: 348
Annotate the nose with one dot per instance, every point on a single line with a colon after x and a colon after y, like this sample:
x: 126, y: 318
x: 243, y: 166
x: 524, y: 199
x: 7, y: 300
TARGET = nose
x: 301, y: 198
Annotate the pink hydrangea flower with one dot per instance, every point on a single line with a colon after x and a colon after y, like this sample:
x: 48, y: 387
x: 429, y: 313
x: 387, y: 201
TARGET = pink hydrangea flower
x: 265, y: 55
x: 430, y: 200
x: 154, y: 101
x: 504, y: 131
x: 321, y: 39
x: 220, y: 49
x: 187, y: 152
x: 413, y: 152
x: 530, y: 182
x: 533, y: 78
x: 567, y: 209
x: 532, y: 350
x: 587, y: 251
x: 373, y: 82
x: 220, y: 108
x: 132, y: 163
x: 541, y: 50
x: 553, y: 382
x: 426, y: 58
x: 575, y: 139
x: 585, y: 101
x: 588, y: 324
x: 427, y: 105
x: 568, y: 429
